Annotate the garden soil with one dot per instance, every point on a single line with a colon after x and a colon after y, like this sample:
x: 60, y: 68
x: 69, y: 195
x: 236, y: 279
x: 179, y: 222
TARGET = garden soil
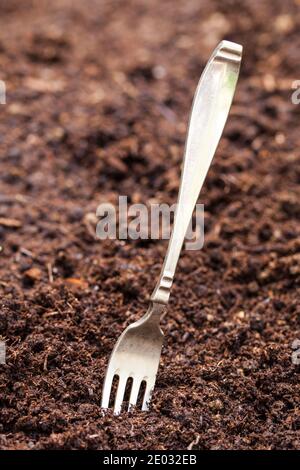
x: 97, y: 102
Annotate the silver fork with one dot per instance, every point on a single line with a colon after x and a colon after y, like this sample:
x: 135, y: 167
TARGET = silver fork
x: 137, y: 351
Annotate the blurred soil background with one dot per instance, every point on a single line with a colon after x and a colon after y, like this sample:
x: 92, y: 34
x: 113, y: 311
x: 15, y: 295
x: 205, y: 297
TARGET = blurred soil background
x: 98, y: 97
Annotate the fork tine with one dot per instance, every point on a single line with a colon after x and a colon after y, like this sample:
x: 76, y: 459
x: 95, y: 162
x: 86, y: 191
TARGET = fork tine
x: 106, y: 390
x: 120, y: 394
x: 148, y: 392
x: 134, y: 393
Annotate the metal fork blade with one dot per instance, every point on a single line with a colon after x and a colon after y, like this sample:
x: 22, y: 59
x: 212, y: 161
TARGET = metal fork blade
x: 106, y: 390
x: 134, y: 393
x: 120, y: 394
x: 148, y: 392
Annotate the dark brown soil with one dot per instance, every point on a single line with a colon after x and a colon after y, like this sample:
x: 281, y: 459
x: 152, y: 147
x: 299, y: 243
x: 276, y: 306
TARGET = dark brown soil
x: 98, y: 95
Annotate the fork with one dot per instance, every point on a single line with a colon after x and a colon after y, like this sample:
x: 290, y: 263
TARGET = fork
x: 137, y: 352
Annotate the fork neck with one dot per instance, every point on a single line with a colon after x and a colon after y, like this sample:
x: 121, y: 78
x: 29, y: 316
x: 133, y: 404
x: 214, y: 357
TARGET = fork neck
x: 162, y: 289
x: 154, y: 312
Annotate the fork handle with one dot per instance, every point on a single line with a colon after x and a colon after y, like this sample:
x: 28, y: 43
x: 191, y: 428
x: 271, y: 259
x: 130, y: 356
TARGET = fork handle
x: 209, y: 113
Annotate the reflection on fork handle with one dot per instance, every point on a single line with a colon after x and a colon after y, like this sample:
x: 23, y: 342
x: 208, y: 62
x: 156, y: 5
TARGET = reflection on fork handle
x: 209, y: 113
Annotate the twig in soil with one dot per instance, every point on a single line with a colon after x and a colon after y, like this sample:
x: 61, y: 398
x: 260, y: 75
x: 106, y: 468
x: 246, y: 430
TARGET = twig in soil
x: 50, y: 273
x: 10, y: 223
x: 26, y: 252
x: 51, y: 314
x: 193, y: 443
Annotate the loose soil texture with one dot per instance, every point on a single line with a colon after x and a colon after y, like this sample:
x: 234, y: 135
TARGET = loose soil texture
x: 98, y: 97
